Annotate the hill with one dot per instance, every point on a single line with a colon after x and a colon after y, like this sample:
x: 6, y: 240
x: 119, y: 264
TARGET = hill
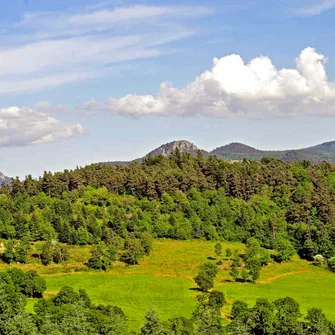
x: 165, y: 150
x: 237, y: 151
x: 183, y: 146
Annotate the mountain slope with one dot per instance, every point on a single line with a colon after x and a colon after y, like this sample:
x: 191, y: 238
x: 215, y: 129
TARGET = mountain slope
x: 325, y: 148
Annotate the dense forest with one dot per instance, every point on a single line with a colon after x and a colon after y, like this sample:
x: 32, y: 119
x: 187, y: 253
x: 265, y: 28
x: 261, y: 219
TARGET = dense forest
x: 179, y: 197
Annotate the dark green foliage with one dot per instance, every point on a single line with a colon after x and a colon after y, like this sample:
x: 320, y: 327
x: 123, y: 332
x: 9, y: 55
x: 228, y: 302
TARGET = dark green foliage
x: 317, y: 323
x: 234, y: 272
x: 67, y: 295
x: 331, y: 264
x: 22, y: 250
x: 146, y: 242
x: 180, y: 326
x: 47, y: 253
x: 29, y: 283
x: 207, y: 317
x: 152, y: 324
x: 228, y: 253
x: 284, y: 249
x: 133, y: 251
x: 53, y: 252
x: 218, y: 249
x: 60, y: 254
x: 287, y: 316
x: 254, y: 267
x: 206, y: 276
x: 101, y: 257
x: 239, y: 310
x: 264, y: 257
x: 245, y: 274
x: 216, y: 299
x: 281, y: 317
x: 204, y: 281
x: 9, y: 254
x: 210, y: 268
x: 71, y: 312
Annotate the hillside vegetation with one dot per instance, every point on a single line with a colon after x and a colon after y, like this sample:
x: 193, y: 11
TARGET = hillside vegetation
x: 164, y: 281
x: 179, y: 197
x: 153, y: 228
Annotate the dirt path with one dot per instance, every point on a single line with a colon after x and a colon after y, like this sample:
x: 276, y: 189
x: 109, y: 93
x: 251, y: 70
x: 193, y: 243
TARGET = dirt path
x: 271, y: 279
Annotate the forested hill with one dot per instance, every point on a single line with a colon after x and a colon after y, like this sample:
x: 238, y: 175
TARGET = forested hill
x: 238, y: 151
x: 179, y: 197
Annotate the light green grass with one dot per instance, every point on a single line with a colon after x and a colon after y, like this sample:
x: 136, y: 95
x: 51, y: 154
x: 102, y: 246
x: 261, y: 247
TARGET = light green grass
x: 310, y: 289
x: 164, y: 281
x: 136, y: 294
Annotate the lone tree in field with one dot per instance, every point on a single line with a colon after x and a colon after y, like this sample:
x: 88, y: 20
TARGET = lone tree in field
x: 228, y: 253
x: 204, y: 281
x: 218, y: 249
x: 206, y: 276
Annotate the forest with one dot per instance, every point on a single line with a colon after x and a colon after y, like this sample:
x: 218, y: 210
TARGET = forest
x: 282, y: 205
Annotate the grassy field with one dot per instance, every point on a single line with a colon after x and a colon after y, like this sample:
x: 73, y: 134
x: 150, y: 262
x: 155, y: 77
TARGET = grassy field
x: 164, y: 281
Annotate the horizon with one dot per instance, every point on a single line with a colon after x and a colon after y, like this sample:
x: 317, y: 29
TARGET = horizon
x: 209, y: 151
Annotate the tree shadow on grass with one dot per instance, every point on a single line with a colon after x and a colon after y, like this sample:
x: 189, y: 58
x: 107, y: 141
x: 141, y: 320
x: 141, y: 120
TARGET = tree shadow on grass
x: 238, y: 280
x: 197, y: 289
x: 211, y: 258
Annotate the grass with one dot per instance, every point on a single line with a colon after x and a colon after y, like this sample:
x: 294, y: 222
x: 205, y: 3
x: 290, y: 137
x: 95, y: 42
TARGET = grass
x: 164, y: 281
x: 136, y: 294
x: 315, y: 288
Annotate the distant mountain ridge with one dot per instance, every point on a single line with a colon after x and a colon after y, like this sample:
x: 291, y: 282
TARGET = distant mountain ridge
x: 237, y: 151
x: 4, y: 179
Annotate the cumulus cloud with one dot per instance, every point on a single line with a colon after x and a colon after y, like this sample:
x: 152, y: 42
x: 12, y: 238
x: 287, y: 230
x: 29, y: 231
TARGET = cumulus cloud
x: 24, y: 126
x: 235, y: 88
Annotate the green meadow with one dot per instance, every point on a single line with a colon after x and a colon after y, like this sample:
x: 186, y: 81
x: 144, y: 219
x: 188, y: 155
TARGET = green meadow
x: 163, y: 281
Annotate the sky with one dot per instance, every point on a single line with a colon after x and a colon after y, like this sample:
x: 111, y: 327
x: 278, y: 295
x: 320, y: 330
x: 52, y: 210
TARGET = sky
x: 85, y: 81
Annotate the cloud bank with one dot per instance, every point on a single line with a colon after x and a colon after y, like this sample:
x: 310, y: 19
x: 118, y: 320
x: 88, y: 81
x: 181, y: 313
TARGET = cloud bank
x: 23, y: 126
x: 235, y: 88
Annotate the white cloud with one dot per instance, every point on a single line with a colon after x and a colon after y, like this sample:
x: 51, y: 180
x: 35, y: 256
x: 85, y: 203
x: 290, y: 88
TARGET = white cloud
x: 89, y: 106
x: 46, y: 108
x: 318, y: 8
x: 107, y: 18
x: 52, y: 49
x: 234, y: 88
x: 23, y: 126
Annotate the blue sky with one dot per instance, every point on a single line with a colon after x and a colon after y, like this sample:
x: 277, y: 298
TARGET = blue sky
x: 87, y: 81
